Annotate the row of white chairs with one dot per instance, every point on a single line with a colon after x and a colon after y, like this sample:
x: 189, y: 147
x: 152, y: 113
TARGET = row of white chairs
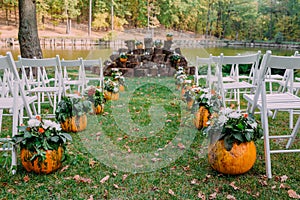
x: 27, y: 83
x: 261, y: 97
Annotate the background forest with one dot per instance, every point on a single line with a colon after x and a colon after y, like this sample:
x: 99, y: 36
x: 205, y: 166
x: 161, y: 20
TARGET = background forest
x: 276, y: 20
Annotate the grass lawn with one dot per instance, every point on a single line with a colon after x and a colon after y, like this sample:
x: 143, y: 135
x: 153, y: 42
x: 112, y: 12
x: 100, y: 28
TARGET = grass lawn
x: 145, y: 147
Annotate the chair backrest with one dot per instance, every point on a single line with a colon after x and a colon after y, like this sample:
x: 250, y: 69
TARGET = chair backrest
x: 235, y: 62
x: 203, y: 67
x: 40, y: 69
x: 270, y: 61
x: 91, y: 68
x: 11, y: 80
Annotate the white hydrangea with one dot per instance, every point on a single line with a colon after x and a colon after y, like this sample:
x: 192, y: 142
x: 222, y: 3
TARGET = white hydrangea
x: 34, y: 123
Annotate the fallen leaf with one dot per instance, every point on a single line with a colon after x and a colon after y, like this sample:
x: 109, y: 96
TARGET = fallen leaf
x: 64, y: 168
x: 213, y: 195
x: 195, y: 182
x: 283, y: 178
x: 155, y: 159
x: 201, y: 195
x: 116, y: 186
x: 263, y: 183
x: 124, y: 177
x: 92, y: 162
x: 103, y: 180
x: 26, y: 178
x: 273, y: 187
x: 206, y: 178
x: 283, y: 186
x: 119, y: 139
x: 181, y: 146
x: 78, y: 178
x: 232, y: 184
x: 230, y: 197
x: 91, y: 197
x: 171, y: 192
x: 105, y: 194
x: 168, y: 120
x: 114, y: 174
x: 293, y: 194
x: 187, y: 168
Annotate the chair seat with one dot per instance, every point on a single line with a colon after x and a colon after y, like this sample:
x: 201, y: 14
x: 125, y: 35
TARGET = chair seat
x: 277, y: 101
x: 7, y: 102
x: 238, y: 85
x: 44, y: 89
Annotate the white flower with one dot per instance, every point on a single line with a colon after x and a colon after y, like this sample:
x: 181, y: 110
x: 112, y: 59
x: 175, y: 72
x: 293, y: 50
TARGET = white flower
x: 34, y: 123
x: 116, y: 89
x: 234, y: 115
x: 223, y: 119
x: 253, y: 125
x: 47, y: 124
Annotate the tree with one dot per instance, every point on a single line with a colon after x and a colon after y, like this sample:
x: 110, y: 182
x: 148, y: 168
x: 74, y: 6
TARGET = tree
x: 28, y: 33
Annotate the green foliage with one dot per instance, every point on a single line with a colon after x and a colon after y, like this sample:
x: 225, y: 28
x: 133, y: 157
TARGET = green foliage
x: 94, y: 95
x: 72, y: 106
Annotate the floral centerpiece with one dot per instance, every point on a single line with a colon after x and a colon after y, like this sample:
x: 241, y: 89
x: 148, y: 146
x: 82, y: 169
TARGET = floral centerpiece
x: 169, y: 36
x: 118, y: 76
x: 96, y: 96
x: 123, y: 57
x: 158, y: 43
x: 42, y: 145
x: 206, y: 102
x: 232, y: 135
x: 111, y: 89
x: 180, y: 77
x: 138, y: 44
x: 71, y: 113
x: 175, y: 58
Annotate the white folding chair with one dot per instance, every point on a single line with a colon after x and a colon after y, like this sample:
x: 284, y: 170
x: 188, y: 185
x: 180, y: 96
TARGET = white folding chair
x: 97, y: 77
x: 14, y: 101
x: 73, y: 75
x: 266, y: 102
x: 230, y: 90
x: 47, y: 80
x: 203, y: 70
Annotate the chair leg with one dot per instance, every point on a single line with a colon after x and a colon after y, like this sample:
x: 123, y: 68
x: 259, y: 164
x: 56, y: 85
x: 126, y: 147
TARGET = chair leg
x: 294, y: 133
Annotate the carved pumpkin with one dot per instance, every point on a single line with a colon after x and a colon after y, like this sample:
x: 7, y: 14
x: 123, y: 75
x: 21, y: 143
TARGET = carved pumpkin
x: 111, y: 95
x: 121, y: 88
x: 74, y: 124
x: 98, y: 109
x: 51, y: 163
x: 238, y: 160
x: 201, y: 117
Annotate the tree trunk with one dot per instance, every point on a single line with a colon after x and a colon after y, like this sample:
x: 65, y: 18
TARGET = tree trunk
x: 28, y: 32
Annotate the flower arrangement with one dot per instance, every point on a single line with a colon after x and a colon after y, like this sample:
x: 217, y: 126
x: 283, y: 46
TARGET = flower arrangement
x: 40, y: 135
x: 123, y: 55
x: 233, y: 127
x: 69, y: 107
x: 94, y: 95
x: 175, y: 58
x: 111, y: 86
x: 204, y: 97
x: 118, y: 76
x: 169, y: 35
x: 158, y: 43
x: 138, y: 44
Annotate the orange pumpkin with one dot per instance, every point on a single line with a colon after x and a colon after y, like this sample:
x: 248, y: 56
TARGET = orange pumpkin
x: 111, y: 95
x: 74, y: 124
x: 123, y: 60
x: 190, y: 103
x: 121, y: 88
x: 98, y: 109
x: 201, y: 117
x: 51, y: 163
x: 238, y: 160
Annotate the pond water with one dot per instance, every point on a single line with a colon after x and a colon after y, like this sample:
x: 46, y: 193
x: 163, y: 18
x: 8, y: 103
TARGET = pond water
x: 189, y: 53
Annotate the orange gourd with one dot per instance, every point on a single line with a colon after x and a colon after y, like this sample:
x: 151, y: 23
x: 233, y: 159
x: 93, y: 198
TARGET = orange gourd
x: 201, y: 117
x: 111, y: 95
x: 121, y: 88
x: 74, y: 124
x: 238, y: 160
x: 98, y: 109
x: 51, y: 163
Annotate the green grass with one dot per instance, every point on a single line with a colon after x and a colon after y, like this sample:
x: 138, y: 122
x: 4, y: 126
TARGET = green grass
x: 148, y: 137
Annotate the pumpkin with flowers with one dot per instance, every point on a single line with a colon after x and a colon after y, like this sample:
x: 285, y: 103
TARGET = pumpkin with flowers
x: 42, y: 144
